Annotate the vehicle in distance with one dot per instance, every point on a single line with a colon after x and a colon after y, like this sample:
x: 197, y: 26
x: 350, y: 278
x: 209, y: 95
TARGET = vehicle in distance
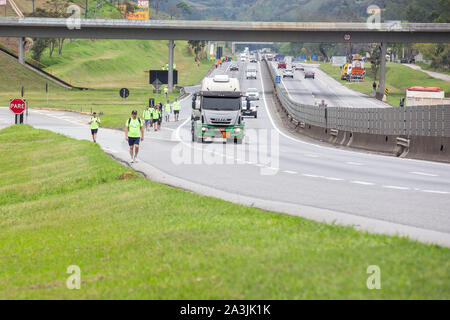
x: 253, y: 60
x: 251, y: 72
x: 252, y: 94
x: 288, y: 73
x: 309, y: 74
x: 234, y: 67
x: 216, y: 110
x: 269, y: 57
x: 298, y: 66
x: 281, y: 65
x: 249, y: 108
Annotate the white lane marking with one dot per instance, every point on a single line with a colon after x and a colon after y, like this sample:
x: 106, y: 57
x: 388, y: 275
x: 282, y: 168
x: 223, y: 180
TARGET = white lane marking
x: 334, y: 179
x: 425, y: 174
x: 396, y: 187
x: 354, y: 163
x: 311, y: 155
x: 311, y: 175
x: 436, y: 191
x: 364, y: 183
x: 290, y: 172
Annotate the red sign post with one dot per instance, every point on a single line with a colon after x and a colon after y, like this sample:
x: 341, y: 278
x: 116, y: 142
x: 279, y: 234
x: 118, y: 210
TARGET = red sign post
x: 18, y: 106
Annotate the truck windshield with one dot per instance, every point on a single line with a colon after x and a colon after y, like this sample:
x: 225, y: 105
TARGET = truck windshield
x: 221, y: 103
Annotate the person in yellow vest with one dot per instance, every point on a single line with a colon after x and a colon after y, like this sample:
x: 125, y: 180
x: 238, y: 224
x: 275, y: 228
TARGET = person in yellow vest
x: 176, y: 109
x: 167, y: 111
x: 155, y: 117
x: 166, y: 92
x: 134, y: 134
x: 94, y: 122
x: 146, y: 115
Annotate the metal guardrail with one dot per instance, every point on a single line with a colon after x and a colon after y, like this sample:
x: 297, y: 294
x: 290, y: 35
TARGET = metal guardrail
x: 408, y: 121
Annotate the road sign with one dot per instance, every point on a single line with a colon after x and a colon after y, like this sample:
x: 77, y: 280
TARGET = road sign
x: 347, y: 37
x: 17, y: 105
x: 163, y: 76
x: 157, y: 84
x: 2, y: 2
x: 124, y: 93
x: 386, y: 91
x: 278, y: 79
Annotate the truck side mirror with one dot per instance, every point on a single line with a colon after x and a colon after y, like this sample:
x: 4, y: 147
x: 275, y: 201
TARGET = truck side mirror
x: 194, y: 99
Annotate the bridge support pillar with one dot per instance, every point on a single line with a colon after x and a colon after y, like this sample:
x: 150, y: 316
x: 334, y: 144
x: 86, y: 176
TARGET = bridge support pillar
x: 382, y: 83
x: 22, y: 50
x: 233, y: 48
x: 170, y: 80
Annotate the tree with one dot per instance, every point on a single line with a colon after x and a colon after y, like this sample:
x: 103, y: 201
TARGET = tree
x: 184, y: 7
x: 197, y: 46
x: 375, y: 60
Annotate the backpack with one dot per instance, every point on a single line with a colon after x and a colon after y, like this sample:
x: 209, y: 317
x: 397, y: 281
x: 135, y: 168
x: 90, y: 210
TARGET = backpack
x: 129, y: 121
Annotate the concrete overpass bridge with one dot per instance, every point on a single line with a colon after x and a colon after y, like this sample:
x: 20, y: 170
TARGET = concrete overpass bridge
x: 225, y: 31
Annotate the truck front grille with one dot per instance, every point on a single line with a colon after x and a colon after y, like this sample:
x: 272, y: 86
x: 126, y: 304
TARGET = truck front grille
x: 220, y: 121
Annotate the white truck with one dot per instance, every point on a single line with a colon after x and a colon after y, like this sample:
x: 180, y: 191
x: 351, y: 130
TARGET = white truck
x: 216, y: 110
x: 251, y: 72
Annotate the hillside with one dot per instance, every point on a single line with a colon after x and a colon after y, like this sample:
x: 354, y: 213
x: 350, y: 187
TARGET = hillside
x: 310, y: 10
x: 116, y: 63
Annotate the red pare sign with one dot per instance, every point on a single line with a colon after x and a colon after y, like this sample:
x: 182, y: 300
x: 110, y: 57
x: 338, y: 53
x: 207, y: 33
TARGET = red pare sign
x: 17, y: 106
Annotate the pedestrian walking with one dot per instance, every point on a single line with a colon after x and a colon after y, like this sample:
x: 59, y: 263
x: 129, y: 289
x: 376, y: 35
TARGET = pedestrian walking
x: 155, y: 117
x: 166, y: 92
x: 167, y: 111
x: 176, y: 109
x: 160, y: 114
x: 146, y: 115
x: 95, y: 123
x: 134, y: 134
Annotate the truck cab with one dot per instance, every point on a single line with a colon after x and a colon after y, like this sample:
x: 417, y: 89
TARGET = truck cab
x: 216, y: 110
x: 251, y: 72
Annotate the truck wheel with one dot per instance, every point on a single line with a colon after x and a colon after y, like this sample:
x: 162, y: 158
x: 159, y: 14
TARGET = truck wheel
x: 256, y: 115
x: 237, y: 141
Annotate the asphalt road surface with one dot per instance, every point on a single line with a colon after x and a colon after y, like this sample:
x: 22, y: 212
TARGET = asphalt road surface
x: 323, y: 87
x: 374, y: 192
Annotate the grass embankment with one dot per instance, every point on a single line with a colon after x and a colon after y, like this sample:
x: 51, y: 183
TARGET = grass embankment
x: 62, y: 203
x: 398, y: 79
x: 105, y: 66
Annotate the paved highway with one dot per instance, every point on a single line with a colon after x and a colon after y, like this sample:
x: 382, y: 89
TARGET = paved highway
x: 374, y: 192
x: 323, y: 87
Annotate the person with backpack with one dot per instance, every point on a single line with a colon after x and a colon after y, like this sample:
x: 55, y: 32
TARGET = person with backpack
x: 134, y: 133
x: 94, y: 122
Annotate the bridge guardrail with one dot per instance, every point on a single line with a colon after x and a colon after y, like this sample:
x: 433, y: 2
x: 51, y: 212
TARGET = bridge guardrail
x: 408, y: 121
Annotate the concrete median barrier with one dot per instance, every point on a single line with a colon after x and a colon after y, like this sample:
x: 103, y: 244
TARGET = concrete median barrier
x: 421, y: 132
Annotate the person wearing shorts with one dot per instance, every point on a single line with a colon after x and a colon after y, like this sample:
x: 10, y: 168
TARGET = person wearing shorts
x: 167, y: 111
x: 176, y: 109
x: 94, y: 122
x: 134, y: 134
x: 147, y: 115
x: 155, y: 118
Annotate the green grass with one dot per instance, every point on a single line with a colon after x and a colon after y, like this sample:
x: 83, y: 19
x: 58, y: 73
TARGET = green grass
x: 105, y: 66
x: 425, y: 66
x: 398, y: 79
x: 62, y: 203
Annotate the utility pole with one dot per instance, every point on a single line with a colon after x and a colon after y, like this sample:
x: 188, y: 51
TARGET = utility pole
x: 86, y: 9
x: 170, y: 80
